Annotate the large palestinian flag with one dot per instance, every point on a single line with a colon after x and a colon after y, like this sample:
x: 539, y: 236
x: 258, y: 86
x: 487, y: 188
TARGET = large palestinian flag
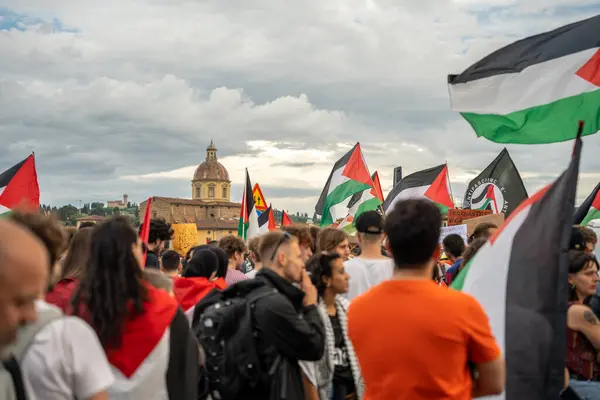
x: 19, y: 186
x: 498, y: 187
x: 348, y: 176
x: 248, y: 224
x: 520, y: 279
x: 589, y: 210
x: 531, y: 91
x: 430, y: 183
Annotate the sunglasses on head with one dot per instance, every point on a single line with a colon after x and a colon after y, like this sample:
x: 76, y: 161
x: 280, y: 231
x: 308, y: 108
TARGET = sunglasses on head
x: 286, y: 236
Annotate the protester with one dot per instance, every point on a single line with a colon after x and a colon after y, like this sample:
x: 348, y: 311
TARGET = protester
x: 24, y: 266
x: 589, y: 236
x: 160, y: 232
x: 171, y: 263
x: 415, y: 340
x: 73, y: 270
x: 144, y: 333
x: 485, y: 230
x: 60, y: 357
x: 583, y: 327
x: 334, y: 240
x: 235, y: 248
x: 254, y: 256
x: 198, y: 279
x: 337, y: 375
x: 159, y: 280
x: 305, y: 240
x: 287, y: 322
x: 370, y: 268
x: 454, y: 247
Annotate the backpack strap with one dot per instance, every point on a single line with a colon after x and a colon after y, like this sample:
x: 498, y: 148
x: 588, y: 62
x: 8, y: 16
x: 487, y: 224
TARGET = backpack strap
x: 25, y: 337
x: 12, y: 367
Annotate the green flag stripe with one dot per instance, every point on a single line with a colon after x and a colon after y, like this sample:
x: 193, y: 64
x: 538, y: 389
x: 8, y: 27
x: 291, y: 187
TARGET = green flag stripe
x: 590, y: 216
x: 547, y: 123
x: 339, y: 194
x: 459, y: 281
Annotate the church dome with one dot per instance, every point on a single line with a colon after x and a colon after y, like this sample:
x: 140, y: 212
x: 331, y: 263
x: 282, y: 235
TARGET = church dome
x: 211, y: 169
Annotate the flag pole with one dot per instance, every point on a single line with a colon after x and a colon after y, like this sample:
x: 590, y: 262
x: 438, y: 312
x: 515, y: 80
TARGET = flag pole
x: 449, y: 182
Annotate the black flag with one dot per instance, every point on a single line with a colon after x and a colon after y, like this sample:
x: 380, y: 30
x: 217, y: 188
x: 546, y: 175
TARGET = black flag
x: 498, y: 188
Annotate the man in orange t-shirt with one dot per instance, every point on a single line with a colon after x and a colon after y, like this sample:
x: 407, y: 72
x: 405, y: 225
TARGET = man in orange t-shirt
x: 413, y: 339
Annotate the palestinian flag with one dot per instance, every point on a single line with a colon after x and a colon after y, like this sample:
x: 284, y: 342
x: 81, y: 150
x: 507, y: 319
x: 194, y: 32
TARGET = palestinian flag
x: 266, y: 221
x: 285, y: 219
x: 348, y: 176
x: 367, y: 200
x: 498, y: 187
x: 532, y: 90
x: 154, y: 342
x: 248, y: 224
x: 347, y: 225
x: 430, y: 183
x: 520, y: 279
x: 589, y: 210
x: 19, y: 186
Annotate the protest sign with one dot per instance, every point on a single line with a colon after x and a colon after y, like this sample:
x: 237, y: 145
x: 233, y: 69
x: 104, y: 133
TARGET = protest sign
x: 460, y: 230
x: 496, y: 219
x: 457, y: 216
x: 185, y: 237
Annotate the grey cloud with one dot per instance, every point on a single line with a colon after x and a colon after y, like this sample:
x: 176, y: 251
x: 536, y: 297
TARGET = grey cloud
x: 148, y: 94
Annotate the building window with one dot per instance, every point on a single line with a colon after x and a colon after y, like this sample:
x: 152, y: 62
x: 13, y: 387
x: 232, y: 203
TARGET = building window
x: 225, y: 192
x: 198, y: 192
x: 208, y: 232
x: 154, y: 214
x: 211, y: 191
x: 230, y: 232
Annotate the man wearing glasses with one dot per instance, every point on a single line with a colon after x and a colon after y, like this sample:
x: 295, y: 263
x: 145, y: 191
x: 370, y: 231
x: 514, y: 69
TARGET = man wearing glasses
x: 287, y: 325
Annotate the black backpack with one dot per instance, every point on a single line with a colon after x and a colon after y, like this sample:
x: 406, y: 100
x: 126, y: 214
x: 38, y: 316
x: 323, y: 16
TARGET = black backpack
x: 223, y: 323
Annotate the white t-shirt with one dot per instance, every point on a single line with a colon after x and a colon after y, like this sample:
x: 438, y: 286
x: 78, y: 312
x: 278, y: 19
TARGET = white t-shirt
x: 364, y: 274
x: 65, y: 361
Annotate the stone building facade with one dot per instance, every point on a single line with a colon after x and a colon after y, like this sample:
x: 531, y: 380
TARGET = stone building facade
x: 210, y: 207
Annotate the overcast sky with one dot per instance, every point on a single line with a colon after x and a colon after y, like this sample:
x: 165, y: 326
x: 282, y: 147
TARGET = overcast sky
x: 123, y: 96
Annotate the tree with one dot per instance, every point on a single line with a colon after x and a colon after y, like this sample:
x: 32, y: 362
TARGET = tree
x: 97, y: 209
x: 66, y: 212
x: 86, y: 209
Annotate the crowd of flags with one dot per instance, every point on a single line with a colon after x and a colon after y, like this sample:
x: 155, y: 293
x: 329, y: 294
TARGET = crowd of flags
x: 529, y: 92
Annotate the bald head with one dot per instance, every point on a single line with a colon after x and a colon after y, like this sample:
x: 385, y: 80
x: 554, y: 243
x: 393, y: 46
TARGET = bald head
x: 24, y: 266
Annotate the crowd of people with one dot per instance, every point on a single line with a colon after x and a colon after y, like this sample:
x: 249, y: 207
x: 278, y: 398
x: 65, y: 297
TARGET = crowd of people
x: 297, y: 313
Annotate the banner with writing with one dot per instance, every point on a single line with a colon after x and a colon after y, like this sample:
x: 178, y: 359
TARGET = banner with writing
x: 185, y: 237
x: 460, y: 230
x: 457, y: 216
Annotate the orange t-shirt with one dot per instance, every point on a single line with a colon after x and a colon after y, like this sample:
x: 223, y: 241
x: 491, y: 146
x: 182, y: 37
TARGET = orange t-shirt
x: 413, y: 340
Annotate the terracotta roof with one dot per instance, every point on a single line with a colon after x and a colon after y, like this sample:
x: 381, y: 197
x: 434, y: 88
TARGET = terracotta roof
x: 211, y: 170
x: 218, y: 223
x: 91, y: 218
x: 175, y: 200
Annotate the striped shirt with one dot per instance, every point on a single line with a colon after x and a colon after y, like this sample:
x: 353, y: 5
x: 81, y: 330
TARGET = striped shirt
x: 234, y: 276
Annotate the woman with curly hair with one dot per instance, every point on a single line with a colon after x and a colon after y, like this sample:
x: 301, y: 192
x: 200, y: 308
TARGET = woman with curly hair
x: 337, y: 375
x: 144, y: 333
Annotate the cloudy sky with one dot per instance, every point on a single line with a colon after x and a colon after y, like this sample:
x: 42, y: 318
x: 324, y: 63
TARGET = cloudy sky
x: 123, y: 96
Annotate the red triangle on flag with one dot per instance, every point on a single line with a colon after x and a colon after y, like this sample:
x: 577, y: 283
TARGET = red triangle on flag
x: 376, y: 189
x: 285, y: 219
x: 271, y: 224
x: 23, y: 189
x: 438, y: 191
x: 356, y: 169
x: 591, y: 70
